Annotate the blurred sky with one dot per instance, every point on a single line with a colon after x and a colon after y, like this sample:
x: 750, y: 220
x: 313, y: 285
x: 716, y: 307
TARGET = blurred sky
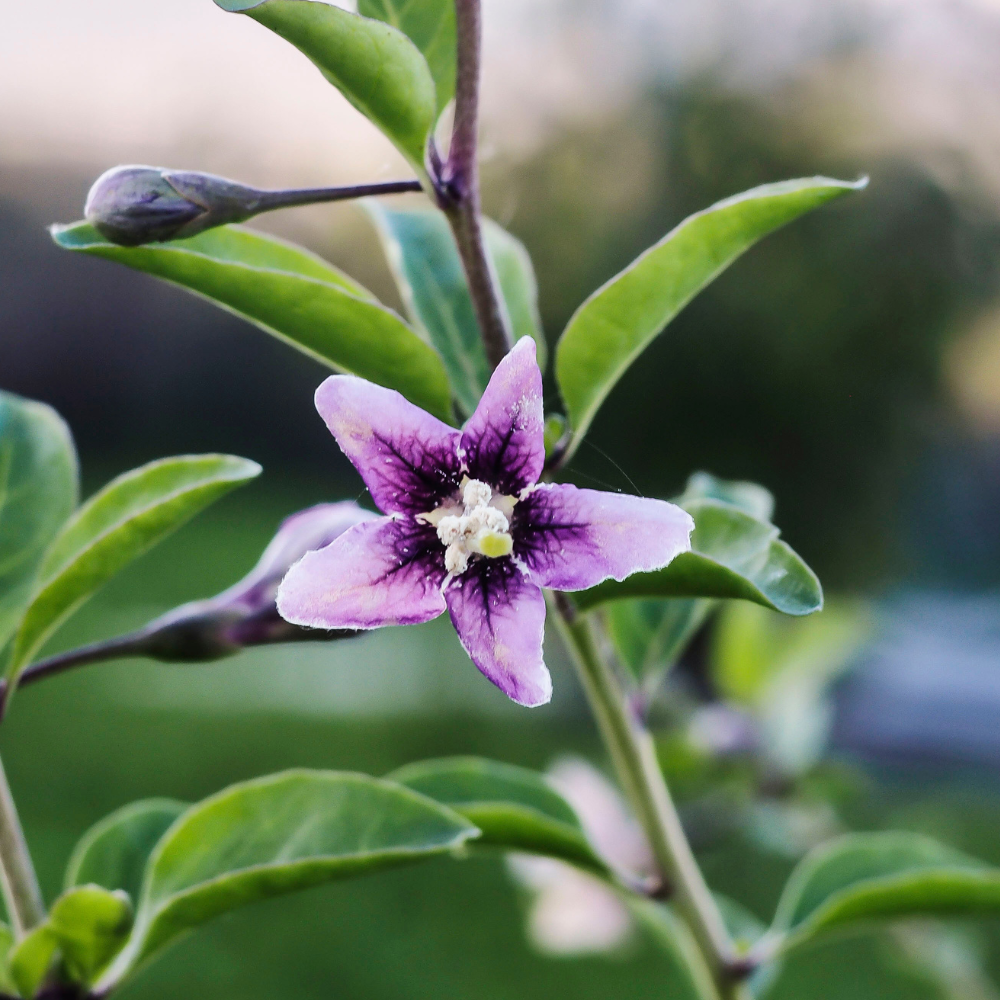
x: 851, y: 84
x: 134, y: 80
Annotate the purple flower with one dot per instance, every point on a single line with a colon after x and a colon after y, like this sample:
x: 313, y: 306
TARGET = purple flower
x: 469, y: 528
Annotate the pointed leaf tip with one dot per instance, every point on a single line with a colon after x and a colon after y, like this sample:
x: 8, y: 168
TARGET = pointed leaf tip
x: 618, y: 321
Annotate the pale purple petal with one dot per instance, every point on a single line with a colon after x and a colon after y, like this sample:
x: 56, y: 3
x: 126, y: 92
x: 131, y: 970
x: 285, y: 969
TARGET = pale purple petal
x: 382, y: 572
x: 500, y: 618
x: 308, y: 530
x: 572, y: 539
x: 298, y: 534
x: 407, y: 458
x: 504, y: 440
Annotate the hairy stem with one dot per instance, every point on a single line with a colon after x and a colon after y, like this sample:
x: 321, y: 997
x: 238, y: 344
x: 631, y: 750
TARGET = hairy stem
x: 458, y: 188
x: 21, y: 893
x: 634, y: 757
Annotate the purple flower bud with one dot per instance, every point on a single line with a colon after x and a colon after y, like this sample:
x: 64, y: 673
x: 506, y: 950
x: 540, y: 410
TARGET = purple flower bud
x: 245, y: 614
x: 132, y: 205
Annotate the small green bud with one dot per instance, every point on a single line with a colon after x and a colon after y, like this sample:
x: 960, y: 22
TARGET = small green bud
x: 133, y: 205
x: 555, y: 431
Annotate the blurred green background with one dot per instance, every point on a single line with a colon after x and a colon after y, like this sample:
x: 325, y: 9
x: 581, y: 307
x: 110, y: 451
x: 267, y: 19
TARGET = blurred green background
x: 851, y: 363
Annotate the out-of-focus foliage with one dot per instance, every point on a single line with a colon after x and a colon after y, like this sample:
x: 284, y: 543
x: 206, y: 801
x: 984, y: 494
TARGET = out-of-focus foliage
x: 38, y: 491
x: 843, y: 316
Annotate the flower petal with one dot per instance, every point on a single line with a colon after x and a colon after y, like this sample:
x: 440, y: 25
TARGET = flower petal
x: 504, y: 441
x: 407, y: 458
x: 382, y: 572
x: 500, y: 618
x: 572, y: 539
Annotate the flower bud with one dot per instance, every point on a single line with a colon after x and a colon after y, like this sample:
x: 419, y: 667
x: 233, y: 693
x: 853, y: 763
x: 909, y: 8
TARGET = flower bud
x: 245, y: 614
x: 137, y: 204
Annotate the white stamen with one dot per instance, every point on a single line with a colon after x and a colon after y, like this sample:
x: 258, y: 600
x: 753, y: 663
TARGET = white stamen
x: 475, y: 494
x: 480, y: 527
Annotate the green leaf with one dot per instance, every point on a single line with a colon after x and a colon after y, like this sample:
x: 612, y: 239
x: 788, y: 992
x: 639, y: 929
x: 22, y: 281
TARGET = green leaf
x: 518, y: 285
x: 38, y: 491
x: 946, y: 959
x: 615, y: 325
x: 516, y: 809
x: 733, y: 555
x: 651, y: 634
x: 422, y: 254
x: 374, y: 65
x: 863, y: 877
x: 117, y: 525
x: 7, y: 984
x: 751, y: 498
x: 692, y: 979
x: 292, y: 295
x: 276, y: 835
x: 430, y: 25
x: 113, y: 853
x: 31, y: 960
x: 90, y: 925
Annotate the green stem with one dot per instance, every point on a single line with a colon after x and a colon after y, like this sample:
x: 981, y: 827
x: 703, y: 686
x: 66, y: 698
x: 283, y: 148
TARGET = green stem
x: 17, y: 874
x: 634, y: 757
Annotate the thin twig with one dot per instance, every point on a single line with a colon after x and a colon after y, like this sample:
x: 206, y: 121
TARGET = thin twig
x: 270, y: 200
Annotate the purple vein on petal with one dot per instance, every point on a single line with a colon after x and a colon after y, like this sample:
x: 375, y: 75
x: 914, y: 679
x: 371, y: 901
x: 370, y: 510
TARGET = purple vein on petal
x: 407, y: 458
x: 504, y: 443
x: 383, y: 572
x: 572, y: 539
x: 500, y: 618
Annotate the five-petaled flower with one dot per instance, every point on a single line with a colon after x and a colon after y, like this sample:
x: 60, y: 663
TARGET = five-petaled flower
x: 469, y: 528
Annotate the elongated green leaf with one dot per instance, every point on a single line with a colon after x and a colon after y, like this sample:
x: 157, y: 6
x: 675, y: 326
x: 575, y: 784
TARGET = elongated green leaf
x: 276, y: 835
x: 293, y: 296
x: 422, y: 254
x: 430, y: 25
x: 374, y: 65
x: 650, y: 634
x: 117, y: 525
x: 612, y: 327
x: 515, y: 808
x: 864, y: 877
x: 38, y: 491
x: 733, y: 555
x: 90, y: 925
x: 31, y: 959
x: 113, y: 853
x: 516, y: 275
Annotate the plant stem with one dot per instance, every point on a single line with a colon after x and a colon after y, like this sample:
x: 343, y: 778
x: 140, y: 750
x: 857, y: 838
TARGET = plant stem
x: 270, y: 200
x: 132, y: 644
x: 458, y: 187
x: 21, y: 893
x: 634, y: 757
